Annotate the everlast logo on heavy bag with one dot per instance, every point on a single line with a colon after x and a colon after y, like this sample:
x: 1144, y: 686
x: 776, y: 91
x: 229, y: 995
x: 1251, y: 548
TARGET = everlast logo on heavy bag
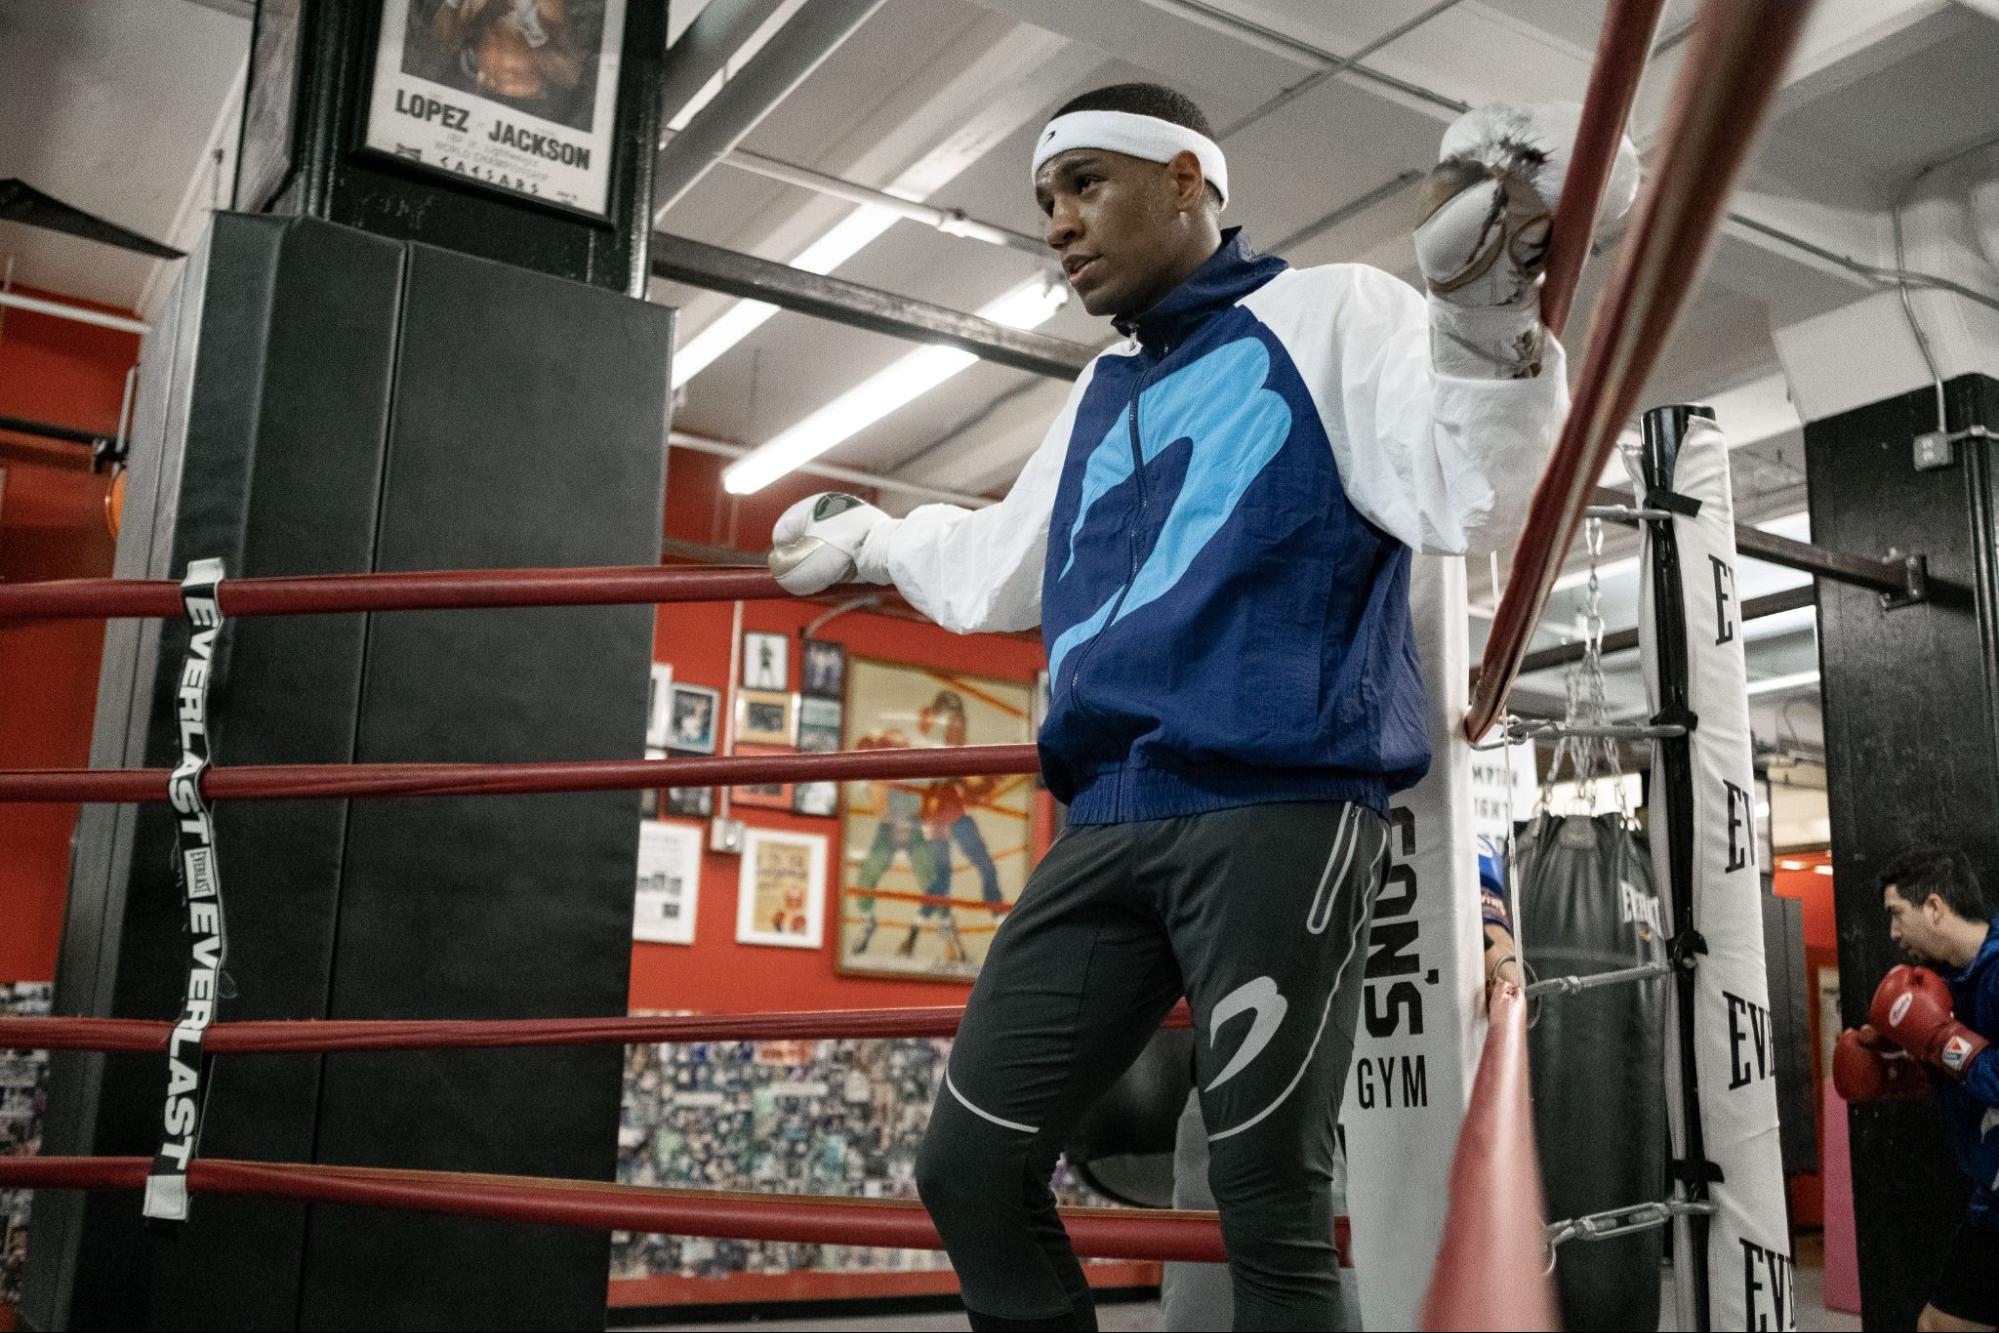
x: 1395, y: 1006
x: 1750, y: 1050
x: 1766, y: 1286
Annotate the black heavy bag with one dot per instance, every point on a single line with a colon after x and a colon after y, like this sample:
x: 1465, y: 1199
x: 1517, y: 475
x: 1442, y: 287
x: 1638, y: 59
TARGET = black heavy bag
x: 1123, y: 1149
x: 1586, y: 904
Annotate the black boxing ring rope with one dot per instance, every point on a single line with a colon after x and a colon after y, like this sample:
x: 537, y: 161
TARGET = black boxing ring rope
x: 1722, y: 95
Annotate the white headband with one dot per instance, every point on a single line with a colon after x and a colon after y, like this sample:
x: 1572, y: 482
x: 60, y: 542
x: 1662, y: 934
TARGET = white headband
x: 1126, y: 132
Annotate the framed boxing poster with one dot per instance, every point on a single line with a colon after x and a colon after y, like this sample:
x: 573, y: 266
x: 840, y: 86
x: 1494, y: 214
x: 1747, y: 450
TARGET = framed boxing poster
x: 669, y: 883
x: 781, y: 896
x: 930, y: 868
x: 515, y: 95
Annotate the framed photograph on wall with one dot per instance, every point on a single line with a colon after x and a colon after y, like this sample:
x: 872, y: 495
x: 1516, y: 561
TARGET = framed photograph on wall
x: 781, y: 896
x: 818, y: 726
x: 765, y: 796
x: 669, y: 884
x: 690, y: 802
x: 766, y: 662
x: 819, y: 799
x: 825, y: 670
x: 930, y: 868
x: 517, y: 96
x: 659, y: 706
x: 696, y: 718
x: 764, y: 717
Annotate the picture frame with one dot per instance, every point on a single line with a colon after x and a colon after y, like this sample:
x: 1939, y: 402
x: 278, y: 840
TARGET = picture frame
x: 522, y: 105
x: 689, y: 802
x: 817, y: 799
x: 696, y: 719
x: 768, y: 796
x: 818, y: 726
x: 665, y: 903
x: 929, y: 868
x: 766, y: 717
x: 823, y: 669
x: 781, y: 889
x: 766, y: 661
x: 659, y: 705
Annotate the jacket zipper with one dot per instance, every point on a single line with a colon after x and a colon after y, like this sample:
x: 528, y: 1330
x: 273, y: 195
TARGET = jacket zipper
x: 1131, y: 571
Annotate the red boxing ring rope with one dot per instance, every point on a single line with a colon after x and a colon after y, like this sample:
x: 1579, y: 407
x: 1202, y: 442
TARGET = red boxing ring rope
x: 248, y: 782
x: 1613, y: 85
x: 1492, y: 1268
x: 268, y: 1037
x: 1097, y: 1233
x: 1724, y: 91
x: 422, y: 590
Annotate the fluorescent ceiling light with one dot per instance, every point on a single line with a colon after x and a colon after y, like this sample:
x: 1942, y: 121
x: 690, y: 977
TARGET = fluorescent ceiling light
x: 1782, y: 684
x: 1027, y: 306
x: 847, y: 238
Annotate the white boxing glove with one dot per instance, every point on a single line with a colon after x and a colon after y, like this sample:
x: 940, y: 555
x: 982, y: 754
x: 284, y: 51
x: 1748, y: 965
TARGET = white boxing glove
x: 1487, y: 214
x: 822, y: 540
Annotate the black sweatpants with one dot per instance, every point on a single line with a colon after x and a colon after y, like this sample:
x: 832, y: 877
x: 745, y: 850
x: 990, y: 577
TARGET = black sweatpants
x: 1259, y: 916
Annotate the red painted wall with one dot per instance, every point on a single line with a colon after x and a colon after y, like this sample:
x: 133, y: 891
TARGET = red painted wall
x: 51, y: 527
x: 1804, y: 876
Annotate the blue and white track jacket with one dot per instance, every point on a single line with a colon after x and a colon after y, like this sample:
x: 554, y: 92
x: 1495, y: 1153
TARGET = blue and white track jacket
x: 1215, y: 537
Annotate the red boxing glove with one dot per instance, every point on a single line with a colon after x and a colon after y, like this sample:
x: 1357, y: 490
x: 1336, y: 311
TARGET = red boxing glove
x: 1866, y: 1067
x: 1912, y: 1008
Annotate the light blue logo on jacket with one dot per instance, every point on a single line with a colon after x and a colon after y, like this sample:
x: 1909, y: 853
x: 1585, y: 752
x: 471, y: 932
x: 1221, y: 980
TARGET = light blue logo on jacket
x: 1237, y: 426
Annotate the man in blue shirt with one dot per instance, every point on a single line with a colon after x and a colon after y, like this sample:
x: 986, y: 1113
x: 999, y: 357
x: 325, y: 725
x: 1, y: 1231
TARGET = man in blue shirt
x: 1941, y: 1014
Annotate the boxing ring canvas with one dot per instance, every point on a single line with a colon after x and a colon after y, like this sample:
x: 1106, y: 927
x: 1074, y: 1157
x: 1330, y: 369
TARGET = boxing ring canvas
x: 930, y: 866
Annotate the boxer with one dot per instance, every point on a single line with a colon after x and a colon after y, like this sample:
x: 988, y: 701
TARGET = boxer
x: 1215, y: 539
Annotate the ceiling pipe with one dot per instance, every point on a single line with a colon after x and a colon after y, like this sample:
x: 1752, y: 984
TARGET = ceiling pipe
x: 816, y: 31
x: 950, y: 221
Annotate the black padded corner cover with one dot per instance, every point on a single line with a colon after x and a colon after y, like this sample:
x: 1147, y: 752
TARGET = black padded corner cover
x: 527, y: 431
x: 1586, y: 904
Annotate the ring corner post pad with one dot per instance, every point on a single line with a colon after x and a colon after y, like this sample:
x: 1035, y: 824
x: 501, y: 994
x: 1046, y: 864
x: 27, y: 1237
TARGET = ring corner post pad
x: 166, y: 1201
x: 1723, y: 1112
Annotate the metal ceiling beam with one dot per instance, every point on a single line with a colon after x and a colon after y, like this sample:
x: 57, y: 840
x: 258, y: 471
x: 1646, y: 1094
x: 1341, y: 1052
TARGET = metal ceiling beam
x: 1756, y: 608
x: 950, y: 221
x: 815, y: 32
x: 677, y: 259
x: 705, y: 49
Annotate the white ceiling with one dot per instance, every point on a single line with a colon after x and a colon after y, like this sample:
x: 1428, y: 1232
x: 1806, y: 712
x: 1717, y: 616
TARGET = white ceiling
x: 117, y: 106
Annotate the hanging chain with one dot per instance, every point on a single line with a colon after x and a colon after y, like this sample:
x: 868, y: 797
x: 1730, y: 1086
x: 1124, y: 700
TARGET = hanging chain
x: 1590, y: 758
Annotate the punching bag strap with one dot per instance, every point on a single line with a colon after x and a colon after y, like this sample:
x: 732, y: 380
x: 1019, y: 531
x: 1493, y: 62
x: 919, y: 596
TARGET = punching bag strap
x: 1672, y: 502
x: 1695, y: 1175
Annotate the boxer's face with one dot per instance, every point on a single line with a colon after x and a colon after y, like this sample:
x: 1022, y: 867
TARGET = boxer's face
x: 1125, y: 228
x: 1916, y: 927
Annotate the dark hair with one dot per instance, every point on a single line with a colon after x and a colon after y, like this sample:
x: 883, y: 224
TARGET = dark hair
x: 1143, y: 99
x: 1148, y: 99
x: 1943, y: 871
